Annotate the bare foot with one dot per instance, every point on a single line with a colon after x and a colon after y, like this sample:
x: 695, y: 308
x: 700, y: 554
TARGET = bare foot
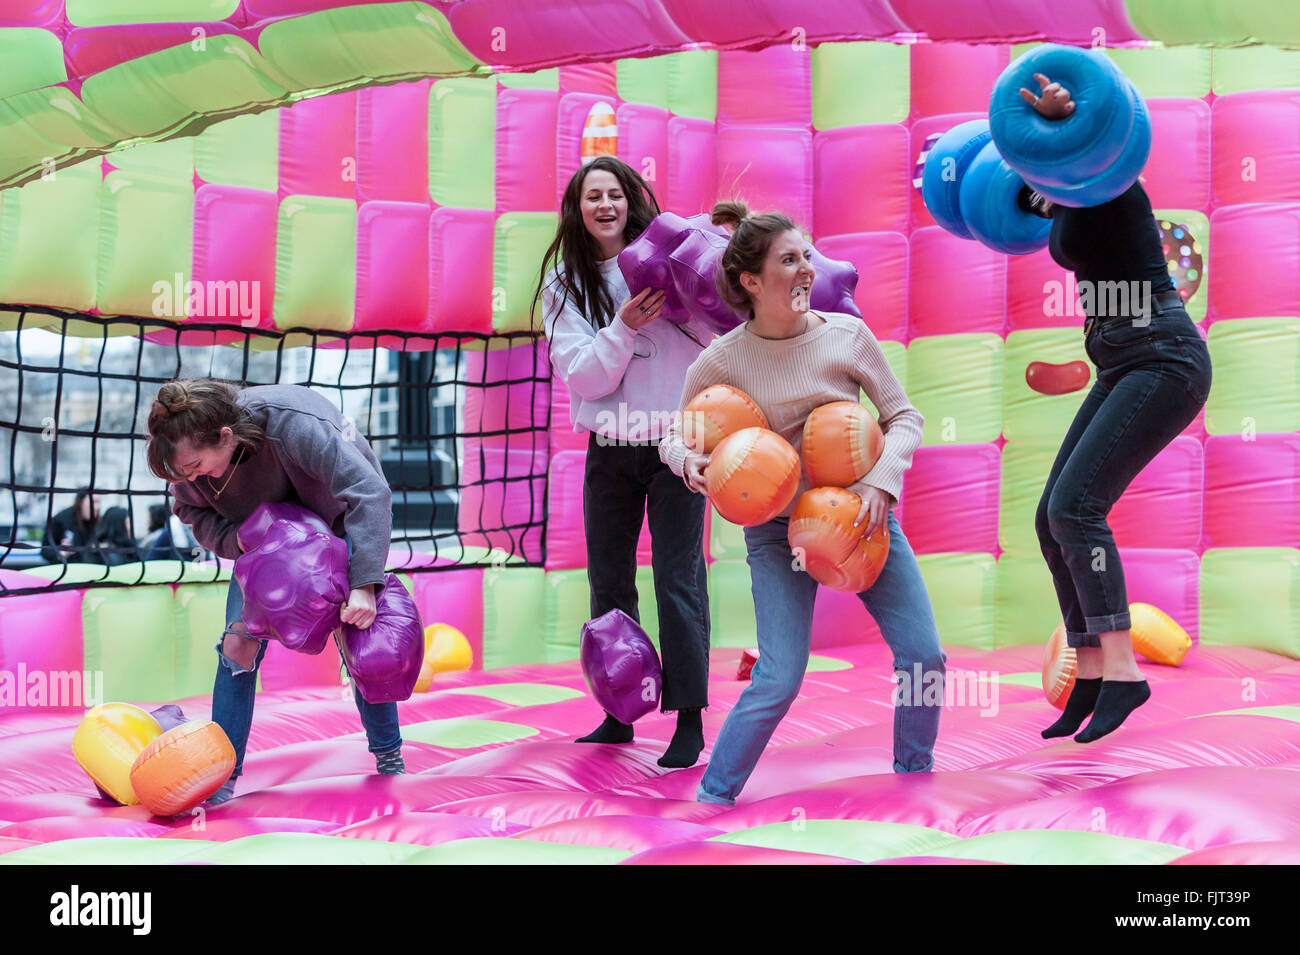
x: 240, y: 649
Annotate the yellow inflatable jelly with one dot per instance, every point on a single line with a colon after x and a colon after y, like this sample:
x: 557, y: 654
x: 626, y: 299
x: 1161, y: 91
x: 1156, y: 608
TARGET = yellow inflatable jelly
x: 182, y: 767
x: 446, y: 648
x: 106, y: 743
x: 425, y: 679
x: 1157, y: 636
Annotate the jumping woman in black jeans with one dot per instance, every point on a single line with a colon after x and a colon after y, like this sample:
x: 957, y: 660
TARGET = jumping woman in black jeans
x: 1153, y: 376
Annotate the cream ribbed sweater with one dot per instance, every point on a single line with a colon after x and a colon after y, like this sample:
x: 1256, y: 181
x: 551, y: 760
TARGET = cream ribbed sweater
x: 790, y: 377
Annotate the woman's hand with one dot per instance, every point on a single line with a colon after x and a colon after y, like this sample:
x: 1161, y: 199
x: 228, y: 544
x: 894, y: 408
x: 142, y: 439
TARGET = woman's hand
x: 360, y: 608
x: 642, y: 308
x: 693, y: 472
x: 875, y: 507
x: 1054, y: 101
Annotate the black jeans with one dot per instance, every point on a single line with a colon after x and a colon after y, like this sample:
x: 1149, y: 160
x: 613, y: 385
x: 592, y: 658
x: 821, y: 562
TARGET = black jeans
x: 624, y: 483
x: 1152, y: 379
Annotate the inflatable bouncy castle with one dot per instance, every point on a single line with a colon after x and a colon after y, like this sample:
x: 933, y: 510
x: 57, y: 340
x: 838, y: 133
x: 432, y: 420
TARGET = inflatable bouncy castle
x: 290, y: 190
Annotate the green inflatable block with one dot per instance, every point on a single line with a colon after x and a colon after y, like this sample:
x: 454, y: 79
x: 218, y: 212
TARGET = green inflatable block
x: 33, y: 58
x: 822, y: 664
x: 200, y: 613
x: 860, y: 839
x: 726, y: 540
x: 519, y: 694
x: 45, y: 130
x: 354, y: 46
x: 179, y: 88
x: 1255, y: 68
x: 1178, y: 22
x: 1256, y: 376
x: 70, y: 573
x: 171, y: 159
x: 462, y: 143
x: 130, y: 635
x: 856, y: 84
x: 957, y: 385
x: 693, y: 84
x: 568, y: 607
x: 896, y: 355
x: 1062, y: 847
x: 315, y: 263
x: 1182, y: 72
x: 1291, y: 713
x: 1021, y: 679
x: 487, y: 850
x: 146, y: 234
x: 103, y: 13
x: 243, y: 151
x: 1198, y: 228
x: 1025, y: 611
x: 1250, y: 597
x: 647, y: 605
x: 108, y: 850
x: 645, y: 80
x: 49, y: 239
x: 518, y: 246
x: 466, y: 732
x: 1027, y: 415
x: 961, y: 592
x: 1025, y: 468
x: 514, y: 630
x: 304, y: 848
x: 731, y: 605
x: 541, y: 80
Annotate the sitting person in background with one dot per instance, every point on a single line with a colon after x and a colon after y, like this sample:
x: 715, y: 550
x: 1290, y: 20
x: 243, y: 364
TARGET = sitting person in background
x: 166, y: 539
x: 70, y: 534
x: 114, y: 540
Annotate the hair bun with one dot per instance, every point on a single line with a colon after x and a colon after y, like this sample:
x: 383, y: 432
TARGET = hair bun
x: 174, y: 397
x: 730, y: 212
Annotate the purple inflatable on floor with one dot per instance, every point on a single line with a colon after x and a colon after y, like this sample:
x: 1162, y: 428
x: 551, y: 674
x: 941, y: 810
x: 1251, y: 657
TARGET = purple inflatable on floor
x: 621, y: 666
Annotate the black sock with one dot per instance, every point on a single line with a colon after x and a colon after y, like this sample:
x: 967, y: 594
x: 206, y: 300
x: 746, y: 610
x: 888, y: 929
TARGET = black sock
x: 1083, y: 697
x: 610, y: 731
x: 687, y: 741
x: 1118, y: 698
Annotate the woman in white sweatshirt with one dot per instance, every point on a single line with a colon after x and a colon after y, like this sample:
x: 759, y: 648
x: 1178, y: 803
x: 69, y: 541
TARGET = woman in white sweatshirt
x: 625, y: 371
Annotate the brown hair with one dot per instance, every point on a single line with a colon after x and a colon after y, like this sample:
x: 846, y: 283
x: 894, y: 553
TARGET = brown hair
x: 196, y: 409
x: 747, y: 250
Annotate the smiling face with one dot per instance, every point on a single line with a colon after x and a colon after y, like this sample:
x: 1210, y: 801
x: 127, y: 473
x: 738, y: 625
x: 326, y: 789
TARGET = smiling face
x: 213, y: 461
x: 604, y: 210
x: 784, y: 287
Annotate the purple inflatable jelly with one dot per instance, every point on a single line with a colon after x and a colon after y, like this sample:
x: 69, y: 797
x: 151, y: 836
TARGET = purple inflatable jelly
x: 295, y: 581
x: 681, y: 255
x: 385, y: 660
x: 169, y: 716
x: 259, y: 522
x: 621, y: 666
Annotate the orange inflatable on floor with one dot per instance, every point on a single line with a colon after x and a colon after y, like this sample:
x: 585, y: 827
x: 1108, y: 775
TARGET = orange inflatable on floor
x: 841, y: 443
x: 1060, y: 666
x: 182, y: 767
x: 752, y: 476
x: 1157, y: 636
x: 833, y: 551
x: 716, y: 412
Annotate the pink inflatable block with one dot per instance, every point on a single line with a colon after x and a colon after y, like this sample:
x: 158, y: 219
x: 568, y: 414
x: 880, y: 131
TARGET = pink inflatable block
x: 387, y: 115
x: 921, y: 130
x: 881, y: 258
x: 1280, y: 852
x: 58, y: 828
x: 933, y: 860
x: 599, y: 78
x: 558, y: 764
x: 861, y: 179
x: 1034, y: 284
x: 566, y: 545
x: 840, y: 619
x: 32, y: 13
x: 783, y: 95
x: 725, y: 853
x: 39, y: 634
x: 1162, y: 507
x: 1079, y: 25
x: 51, y: 750
x: 769, y: 21
x: 226, y: 830
x: 692, y: 184
x: 496, y: 512
x: 428, y: 828
x: 283, y: 669
x: 234, y: 241
x: 563, y: 437
x: 643, y: 142
x: 952, y: 498
x: 954, y: 77
x: 460, y: 270
x: 1168, y: 579
x: 91, y: 50
x: 545, y: 807
x: 13, y: 845
x: 525, y: 150
x: 1177, y: 176
x: 632, y: 833
x: 1250, y: 491
x: 1262, y: 284
x: 454, y: 597
x: 770, y: 167
x: 956, y: 285
x: 393, y: 267
x: 1256, y: 147
x: 571, y: 121
x: 318, y: 147
x: 507, y: 389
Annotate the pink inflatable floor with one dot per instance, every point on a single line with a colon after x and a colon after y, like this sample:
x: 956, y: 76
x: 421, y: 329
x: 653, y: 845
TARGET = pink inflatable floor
x: 1207, y: 772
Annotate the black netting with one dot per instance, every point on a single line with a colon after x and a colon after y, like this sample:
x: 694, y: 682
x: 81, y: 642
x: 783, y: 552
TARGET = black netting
x: 459, y: 422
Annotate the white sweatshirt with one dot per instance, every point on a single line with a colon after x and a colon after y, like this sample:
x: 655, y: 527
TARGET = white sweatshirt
x: 625, y: 383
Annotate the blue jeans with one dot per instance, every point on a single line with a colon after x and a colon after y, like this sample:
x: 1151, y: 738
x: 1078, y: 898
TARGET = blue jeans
x: 1152, y: 379
x: 783, y: 605
x: 234, y: 690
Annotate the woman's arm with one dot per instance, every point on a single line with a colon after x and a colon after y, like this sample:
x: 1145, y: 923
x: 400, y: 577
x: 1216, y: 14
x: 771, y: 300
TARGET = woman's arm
x: 592, y: 363
x: 902, y: 424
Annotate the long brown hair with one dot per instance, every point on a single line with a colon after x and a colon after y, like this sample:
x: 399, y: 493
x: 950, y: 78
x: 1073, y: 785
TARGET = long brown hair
x: 747, y: 250
x: 196, y: 409
x: 578, y: 252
